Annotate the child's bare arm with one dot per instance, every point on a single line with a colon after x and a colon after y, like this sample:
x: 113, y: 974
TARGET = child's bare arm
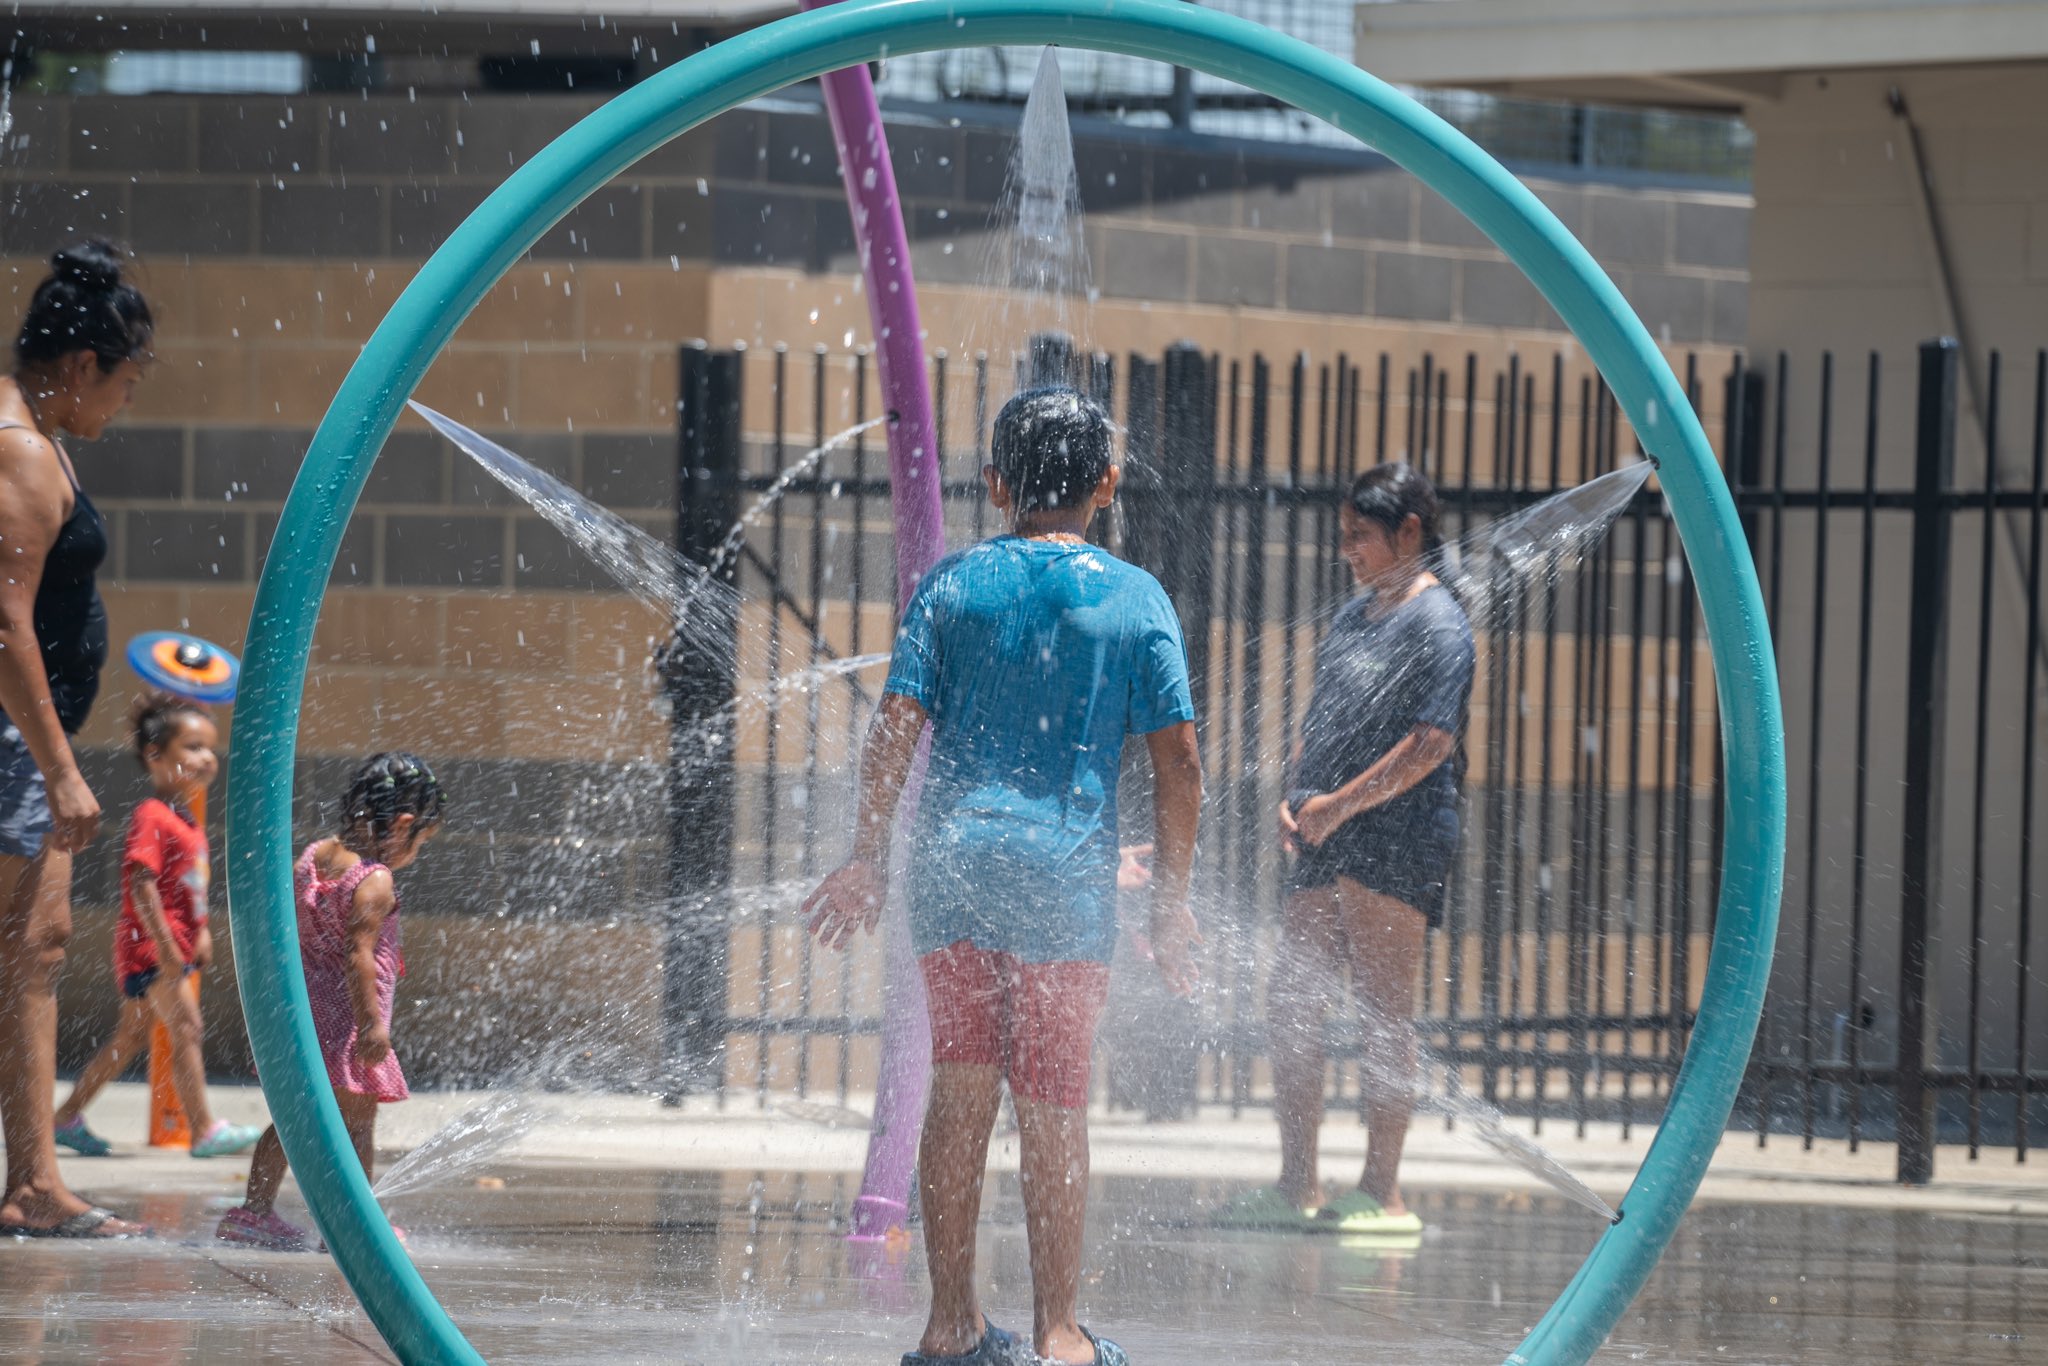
x: 149, y: 909
x: 1177, y: 813
x: 884, y: 769
x: 374, y: 901
x: 850, y: 898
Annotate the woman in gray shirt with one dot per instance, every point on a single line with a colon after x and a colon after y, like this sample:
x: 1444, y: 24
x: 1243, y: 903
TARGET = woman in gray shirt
x: 1372, y: 820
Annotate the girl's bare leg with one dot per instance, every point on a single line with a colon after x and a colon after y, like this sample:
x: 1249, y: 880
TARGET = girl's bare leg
x: 131, y: 1036
x: 267, y: 1164
x: 1054, y: 1142
x: 359, y: 1116
x: 174, y: 1002
x: 952, y: 1159
x: 1386, y: 953
x: 266, y: 1172
x: 1298, y: 992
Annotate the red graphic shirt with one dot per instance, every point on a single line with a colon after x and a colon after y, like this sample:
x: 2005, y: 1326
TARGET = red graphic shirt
x: 174, y: 852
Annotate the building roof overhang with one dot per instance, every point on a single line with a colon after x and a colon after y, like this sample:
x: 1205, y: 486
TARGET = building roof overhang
x: 1718, y: 54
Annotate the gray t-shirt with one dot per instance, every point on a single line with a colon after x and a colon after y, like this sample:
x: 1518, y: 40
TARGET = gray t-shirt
x: 1377, y: 679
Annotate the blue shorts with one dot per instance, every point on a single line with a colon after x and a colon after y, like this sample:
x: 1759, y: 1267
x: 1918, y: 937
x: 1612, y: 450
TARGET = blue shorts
x: 24, y: 801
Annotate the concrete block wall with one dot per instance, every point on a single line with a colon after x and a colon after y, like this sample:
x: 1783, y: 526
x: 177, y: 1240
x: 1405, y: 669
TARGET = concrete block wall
x: 1843, y: 260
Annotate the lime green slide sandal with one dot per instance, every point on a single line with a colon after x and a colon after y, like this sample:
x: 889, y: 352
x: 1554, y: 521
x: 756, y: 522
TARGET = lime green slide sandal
x: 1356, y: 1212
x: 1264, y: 1208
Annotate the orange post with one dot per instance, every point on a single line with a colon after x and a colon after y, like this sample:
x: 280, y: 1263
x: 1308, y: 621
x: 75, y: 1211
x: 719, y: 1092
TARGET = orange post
x: 168, y: 1127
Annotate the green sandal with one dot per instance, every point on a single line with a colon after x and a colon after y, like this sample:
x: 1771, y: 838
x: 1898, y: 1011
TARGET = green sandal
x: 1264, y: 1208
x: 1356, y: 1212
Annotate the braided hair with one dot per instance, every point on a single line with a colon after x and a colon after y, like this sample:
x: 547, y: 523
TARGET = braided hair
x: 387, y: 786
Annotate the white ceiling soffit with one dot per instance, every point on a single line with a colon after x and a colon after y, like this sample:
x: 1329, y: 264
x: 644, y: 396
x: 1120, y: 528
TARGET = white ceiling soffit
x: 1725, y: 52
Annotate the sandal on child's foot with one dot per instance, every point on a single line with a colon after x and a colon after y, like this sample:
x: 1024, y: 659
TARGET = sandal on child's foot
x: 81, y: 1140
x: 246, y: 1228
x: 225, y: 1139
x: 996, y: 1348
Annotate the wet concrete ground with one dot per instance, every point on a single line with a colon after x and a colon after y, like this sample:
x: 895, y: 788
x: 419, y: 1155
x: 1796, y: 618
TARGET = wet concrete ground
x: 612, y: 1262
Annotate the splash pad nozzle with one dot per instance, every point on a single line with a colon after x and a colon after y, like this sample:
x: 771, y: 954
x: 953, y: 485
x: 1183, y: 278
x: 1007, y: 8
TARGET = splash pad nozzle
x: 807, y: 46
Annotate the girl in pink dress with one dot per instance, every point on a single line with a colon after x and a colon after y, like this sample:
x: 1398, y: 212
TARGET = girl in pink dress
x: 348, y: 940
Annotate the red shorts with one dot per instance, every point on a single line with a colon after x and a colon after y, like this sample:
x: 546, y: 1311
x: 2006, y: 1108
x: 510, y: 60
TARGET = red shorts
x: 1036, y: 1021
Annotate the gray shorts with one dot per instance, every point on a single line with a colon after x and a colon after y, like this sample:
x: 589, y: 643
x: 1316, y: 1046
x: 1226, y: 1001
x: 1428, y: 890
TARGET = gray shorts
x: 24, y: 802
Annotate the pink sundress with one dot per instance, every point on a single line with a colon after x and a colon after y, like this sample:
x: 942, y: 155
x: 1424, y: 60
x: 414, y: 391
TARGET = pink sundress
x: 324, y: 907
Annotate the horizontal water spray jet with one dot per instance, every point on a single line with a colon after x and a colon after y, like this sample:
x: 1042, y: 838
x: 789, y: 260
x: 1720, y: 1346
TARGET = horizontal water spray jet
x: 646, y: 567
x: 463, y: 1144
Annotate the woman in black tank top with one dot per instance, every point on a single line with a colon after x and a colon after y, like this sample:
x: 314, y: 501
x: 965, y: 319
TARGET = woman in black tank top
x: 78, y: 358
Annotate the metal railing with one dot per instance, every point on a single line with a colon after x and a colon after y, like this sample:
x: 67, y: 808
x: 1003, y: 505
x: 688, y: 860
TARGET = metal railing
x: 1903, y: 1008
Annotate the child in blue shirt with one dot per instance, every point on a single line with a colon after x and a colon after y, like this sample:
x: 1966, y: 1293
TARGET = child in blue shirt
x: 1031, y: 656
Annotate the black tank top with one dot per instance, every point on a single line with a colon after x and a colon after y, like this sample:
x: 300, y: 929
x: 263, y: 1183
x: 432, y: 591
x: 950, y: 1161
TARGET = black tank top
x: 70, y: 618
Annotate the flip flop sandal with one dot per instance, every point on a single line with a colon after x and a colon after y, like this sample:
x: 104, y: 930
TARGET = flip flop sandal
x: 1263, y: 1209
x: 996, y: 1348
x: 85, y: 1224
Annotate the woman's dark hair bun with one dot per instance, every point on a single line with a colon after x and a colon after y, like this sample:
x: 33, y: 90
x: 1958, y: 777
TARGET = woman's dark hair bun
x: 86, y: 304
x: 92, y: 264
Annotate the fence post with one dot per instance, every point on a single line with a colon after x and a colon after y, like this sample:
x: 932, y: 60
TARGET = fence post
x: 702, y: 677
x: 1934, y: 442
x: 1743, y: 414
x: 1170, y: 475
x: 1187, y: 458
x: 1140, y: 494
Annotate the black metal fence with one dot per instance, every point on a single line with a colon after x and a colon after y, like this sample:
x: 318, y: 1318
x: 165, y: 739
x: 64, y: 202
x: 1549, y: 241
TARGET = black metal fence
x: 1563, y: 981
x: 1907, y: 598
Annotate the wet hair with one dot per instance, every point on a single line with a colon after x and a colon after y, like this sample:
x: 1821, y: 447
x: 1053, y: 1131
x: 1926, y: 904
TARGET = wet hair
x: 86, y: 304
x: 1388, y: 495
x: 1051, y: 446
x: 385, y: 787
x: 154, y: 719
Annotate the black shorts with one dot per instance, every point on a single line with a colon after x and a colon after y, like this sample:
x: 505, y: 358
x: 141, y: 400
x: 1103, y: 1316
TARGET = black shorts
x: 1406, y: 857
x: 136, y: 985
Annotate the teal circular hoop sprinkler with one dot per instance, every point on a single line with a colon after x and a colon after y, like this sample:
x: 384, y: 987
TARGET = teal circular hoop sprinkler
x: 806, y: 46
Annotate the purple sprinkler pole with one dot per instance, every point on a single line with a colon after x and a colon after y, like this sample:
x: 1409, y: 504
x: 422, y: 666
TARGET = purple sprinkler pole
x: 920, y: 539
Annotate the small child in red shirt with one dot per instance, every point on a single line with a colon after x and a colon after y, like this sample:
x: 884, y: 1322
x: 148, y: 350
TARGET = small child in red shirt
x: 162, y: 938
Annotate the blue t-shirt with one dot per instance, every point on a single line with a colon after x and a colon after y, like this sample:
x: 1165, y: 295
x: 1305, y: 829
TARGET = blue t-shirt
x: 1034, y: 659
